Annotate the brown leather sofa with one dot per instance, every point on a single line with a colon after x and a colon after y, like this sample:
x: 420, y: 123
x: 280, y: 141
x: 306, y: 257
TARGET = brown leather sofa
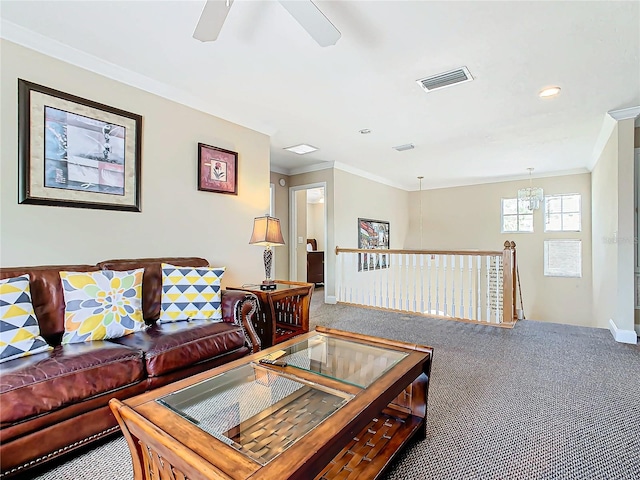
x: 55, y: 402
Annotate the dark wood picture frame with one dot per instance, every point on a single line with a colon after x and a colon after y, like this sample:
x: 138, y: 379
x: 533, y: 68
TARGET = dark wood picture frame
x: 75, y: 152
x: 373, y: 235
x: 217, y: 170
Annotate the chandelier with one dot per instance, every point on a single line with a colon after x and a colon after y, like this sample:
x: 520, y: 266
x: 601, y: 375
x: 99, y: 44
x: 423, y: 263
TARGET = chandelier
x: 530, y: 196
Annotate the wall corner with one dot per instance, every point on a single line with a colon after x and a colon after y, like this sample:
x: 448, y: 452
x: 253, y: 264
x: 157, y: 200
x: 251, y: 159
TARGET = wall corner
x: 622, y: 336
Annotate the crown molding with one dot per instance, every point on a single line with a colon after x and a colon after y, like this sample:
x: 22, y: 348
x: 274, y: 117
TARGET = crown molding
x: 624, y: 113
x: 489, y: 180
x: 608, y: 124
x: 611, y: 119
x: 369, y: 176
x: 73, y: 56
x: 311, y: 168
x: 279, y: 170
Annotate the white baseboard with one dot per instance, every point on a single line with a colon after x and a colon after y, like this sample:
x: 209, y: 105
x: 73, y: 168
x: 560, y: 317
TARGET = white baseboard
x: 331, y: 299
x: 622, y: 336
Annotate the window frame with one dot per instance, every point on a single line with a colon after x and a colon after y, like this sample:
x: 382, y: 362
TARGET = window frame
x: 562, y: 212
x: 518, y: 215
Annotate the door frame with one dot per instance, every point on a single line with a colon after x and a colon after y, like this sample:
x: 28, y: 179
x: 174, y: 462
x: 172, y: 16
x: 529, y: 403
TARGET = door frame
x: 293, y: 227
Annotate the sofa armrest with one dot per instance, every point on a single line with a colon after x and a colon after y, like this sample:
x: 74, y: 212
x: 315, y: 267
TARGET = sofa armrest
x: 238, y: 307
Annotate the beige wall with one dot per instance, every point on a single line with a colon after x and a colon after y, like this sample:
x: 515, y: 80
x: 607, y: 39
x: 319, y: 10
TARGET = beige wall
x: 469, y: 218
x: 176, y: 218
x: 604, y: 179
x: 281, y: 212
x: 357, y: 197
x: 614, y: 233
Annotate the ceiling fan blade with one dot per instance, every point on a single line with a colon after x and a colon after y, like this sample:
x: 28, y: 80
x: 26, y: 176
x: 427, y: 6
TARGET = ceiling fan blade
x: 213, y: 16
x: 313, y: 21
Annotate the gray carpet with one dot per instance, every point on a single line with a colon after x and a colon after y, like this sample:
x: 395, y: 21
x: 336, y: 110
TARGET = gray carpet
x: 541, y: 401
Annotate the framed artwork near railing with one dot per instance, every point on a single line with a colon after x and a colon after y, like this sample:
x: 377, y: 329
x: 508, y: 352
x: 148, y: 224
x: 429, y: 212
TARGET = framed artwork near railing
x: 373, y: 235
x: 75, y: 152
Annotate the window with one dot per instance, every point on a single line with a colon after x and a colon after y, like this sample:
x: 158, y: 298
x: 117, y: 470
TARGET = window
x: 562, y: 213
x: 516, y: 216
x: 563, y: 258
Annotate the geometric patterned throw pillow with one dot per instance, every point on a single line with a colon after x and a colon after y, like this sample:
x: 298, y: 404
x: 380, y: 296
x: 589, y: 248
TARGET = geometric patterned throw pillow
x: 19, y: 329
x: 190, y: 293
x: 101, y: 305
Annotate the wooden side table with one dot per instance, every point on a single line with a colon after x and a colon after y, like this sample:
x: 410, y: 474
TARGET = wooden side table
x: 283, y: 312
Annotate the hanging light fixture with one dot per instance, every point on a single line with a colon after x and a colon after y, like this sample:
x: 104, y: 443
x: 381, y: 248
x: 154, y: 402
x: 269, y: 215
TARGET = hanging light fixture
x: 531, y: 196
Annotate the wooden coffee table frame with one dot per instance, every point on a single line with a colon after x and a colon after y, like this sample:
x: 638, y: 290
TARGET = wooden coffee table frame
x: 357, y: 441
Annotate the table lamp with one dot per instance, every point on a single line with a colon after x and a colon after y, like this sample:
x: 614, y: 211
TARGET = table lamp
x: 267, y: 233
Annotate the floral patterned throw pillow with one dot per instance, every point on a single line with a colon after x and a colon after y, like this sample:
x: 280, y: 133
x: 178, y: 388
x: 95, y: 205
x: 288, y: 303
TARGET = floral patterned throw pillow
x: 101, y: 305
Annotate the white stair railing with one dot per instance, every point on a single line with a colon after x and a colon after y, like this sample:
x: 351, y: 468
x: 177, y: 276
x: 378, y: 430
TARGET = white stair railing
x: 471, y: 285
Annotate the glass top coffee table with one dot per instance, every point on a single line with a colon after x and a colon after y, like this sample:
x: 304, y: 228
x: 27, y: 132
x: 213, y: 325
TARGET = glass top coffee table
x: 341, y: 407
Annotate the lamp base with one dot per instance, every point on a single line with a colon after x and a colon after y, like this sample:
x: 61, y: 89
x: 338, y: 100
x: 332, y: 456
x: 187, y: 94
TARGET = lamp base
x: 268, y: 285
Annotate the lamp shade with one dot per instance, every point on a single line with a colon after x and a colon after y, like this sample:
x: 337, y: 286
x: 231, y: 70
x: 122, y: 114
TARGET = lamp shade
x: 266, y: 232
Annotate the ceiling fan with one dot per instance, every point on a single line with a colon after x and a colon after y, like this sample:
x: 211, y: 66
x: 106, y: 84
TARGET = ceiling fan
x: 303, y: 11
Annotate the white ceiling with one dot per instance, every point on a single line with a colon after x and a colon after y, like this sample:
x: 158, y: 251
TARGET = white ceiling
x: 266, y: 73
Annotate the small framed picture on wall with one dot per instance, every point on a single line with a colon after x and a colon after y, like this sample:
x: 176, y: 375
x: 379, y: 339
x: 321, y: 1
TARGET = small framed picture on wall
x: 217, y: 170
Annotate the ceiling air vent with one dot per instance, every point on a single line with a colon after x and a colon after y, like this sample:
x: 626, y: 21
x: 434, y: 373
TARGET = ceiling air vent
x: 402, y: 148
x: 446, y: 79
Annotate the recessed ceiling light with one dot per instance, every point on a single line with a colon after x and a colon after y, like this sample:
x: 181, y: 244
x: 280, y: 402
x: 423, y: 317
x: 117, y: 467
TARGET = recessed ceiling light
x: 301, y: 149
x: 549, y: 92
x: 364, y: 131
x: 402, y: 148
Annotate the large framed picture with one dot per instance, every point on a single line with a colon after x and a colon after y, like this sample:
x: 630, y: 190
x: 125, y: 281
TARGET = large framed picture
x: 217, y: 170
x: 75, y: 152
x: 373, y: 235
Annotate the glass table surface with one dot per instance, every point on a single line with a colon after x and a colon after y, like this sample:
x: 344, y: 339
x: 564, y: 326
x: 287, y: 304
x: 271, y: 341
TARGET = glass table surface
x: 352, y: 362
x: 255, y: 410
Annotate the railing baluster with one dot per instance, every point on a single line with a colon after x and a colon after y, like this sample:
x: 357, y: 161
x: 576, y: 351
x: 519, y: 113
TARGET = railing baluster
x: 429, y: 283
x: 407, y: 257
x: 380, y: 277
x: 488, y: 299
x: 415, y: 283
x: 394, y: 260
x: 498, y: 291
x: 444, y: 281
x: 421, y: 283
x: 437, y: 285
x: 388, y: 275
x: 339, y: 279
x: 478, y: 297
x: 471, y: 287
x: 453, y: 285
x: 462, y: 285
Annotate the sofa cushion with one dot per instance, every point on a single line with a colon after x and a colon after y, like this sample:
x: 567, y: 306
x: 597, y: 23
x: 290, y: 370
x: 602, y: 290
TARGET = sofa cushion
x: 172, y: 346
x: 44, y: 382
x: 19, y: 330
x: 152, y: 280
x: 46, y: 295
x: 101, y: 305
x: 190, y: 293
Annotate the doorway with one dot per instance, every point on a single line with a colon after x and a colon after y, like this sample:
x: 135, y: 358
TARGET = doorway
x: 308, y: 221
